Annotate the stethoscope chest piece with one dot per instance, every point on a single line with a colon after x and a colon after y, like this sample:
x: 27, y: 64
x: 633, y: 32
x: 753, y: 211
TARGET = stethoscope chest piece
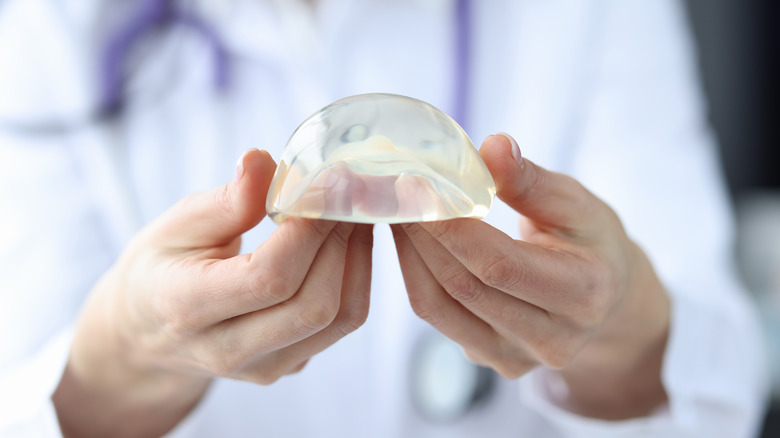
x: 445, y: 384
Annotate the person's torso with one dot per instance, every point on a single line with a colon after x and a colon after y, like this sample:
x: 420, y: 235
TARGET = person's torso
x: 91, y: 189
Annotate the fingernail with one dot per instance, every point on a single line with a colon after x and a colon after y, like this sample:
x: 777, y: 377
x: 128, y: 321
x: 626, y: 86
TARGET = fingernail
x: 515, y: 148
x: 240, y: 165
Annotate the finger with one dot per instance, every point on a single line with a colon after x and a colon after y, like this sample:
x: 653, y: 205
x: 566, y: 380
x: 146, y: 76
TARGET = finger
x: 544, y: 277
x: 431, y: 303
x: 554, y: 201
x: 215, y: 290
x: 217, y: 217
x: 242, y: 339
x: 355, y: 296
x: 529, y: 331
x: 356, y: 286
x: 351, y: 315
x: 481, y: 299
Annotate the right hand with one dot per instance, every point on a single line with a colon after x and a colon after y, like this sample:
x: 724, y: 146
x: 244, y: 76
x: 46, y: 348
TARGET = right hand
x: 181, y: 306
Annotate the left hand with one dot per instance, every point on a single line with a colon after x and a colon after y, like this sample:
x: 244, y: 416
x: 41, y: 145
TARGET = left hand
x: 576, y: 295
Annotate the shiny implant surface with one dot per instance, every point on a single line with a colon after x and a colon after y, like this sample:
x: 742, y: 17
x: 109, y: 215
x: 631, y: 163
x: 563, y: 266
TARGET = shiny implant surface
x: 376, y: 158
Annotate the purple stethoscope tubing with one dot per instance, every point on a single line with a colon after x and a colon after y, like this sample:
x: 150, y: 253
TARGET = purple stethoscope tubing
x: 155, y: 14
x: 152, y: 15
x: 462, y: 55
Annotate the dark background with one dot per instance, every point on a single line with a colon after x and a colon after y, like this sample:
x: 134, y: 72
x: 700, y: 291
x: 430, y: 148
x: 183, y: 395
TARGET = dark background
x: 738, y: 53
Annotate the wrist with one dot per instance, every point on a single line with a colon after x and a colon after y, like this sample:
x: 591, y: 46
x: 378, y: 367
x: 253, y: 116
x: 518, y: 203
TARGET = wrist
x: 107, y: 389
x: 618, y: 374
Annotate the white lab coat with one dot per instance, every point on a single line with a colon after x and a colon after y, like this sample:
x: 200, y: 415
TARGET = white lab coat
x: 603, y: 90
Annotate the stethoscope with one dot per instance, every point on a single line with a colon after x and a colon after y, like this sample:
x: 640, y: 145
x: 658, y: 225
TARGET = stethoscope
x: 156, y: 16
x: 443, y: 384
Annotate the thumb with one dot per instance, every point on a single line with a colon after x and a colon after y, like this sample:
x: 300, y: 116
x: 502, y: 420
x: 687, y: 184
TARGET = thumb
x: 547, y: 198
x: 217, y: 217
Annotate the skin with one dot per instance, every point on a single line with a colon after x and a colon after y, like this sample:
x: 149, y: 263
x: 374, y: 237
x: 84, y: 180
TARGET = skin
x: 182, y: 307
x: 576, y: 295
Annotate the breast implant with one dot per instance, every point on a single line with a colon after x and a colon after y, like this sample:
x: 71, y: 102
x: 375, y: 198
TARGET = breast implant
x: 380, y: 158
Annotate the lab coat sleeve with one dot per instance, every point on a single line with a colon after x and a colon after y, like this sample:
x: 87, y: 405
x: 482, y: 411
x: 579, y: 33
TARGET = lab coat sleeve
x: 26, y: 409
x: 644, y: 147
x: 26, y: 388
x: 56, y: 239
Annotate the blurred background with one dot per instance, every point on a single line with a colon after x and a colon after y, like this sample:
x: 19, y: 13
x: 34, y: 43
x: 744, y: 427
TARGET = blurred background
x: 740, y: 67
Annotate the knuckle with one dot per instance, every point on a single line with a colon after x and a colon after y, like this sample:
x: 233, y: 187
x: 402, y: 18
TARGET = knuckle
x: 316, y: 229
x: 340, y: 235
x: 298, y: 368
x: 505, y: 359
x: 265, y: 378
x: 336, y: 237
x: 223, y: 198
x: 353, y: 317
x: 500, y: 272
x: 267, y: 288
x: 478, y: 357
x: 558, y: 355
x: 426, y: 309
x: 268, y: 375
x: 225, y: 201
x: 297, y: 231
x: 282, y: 367
x: 535, y: 183
x: 556, y: 359
x: 263, y: 372
x: 514, y: 369
x: 440, y: 230
x: 175, y: 320
x: 486, y: 357
x: 412, y: 228
x: 413, y: 231
x: 512, y: 362
x: 317, y: 314
x: 596, y: 296
x: 509, y: 372
x: 225, y: 364
x: 463, y: 286
x: 591, y: 311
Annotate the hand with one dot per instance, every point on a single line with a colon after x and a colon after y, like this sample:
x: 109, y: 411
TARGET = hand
x: 576, y: 295
x: 181, y: 307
